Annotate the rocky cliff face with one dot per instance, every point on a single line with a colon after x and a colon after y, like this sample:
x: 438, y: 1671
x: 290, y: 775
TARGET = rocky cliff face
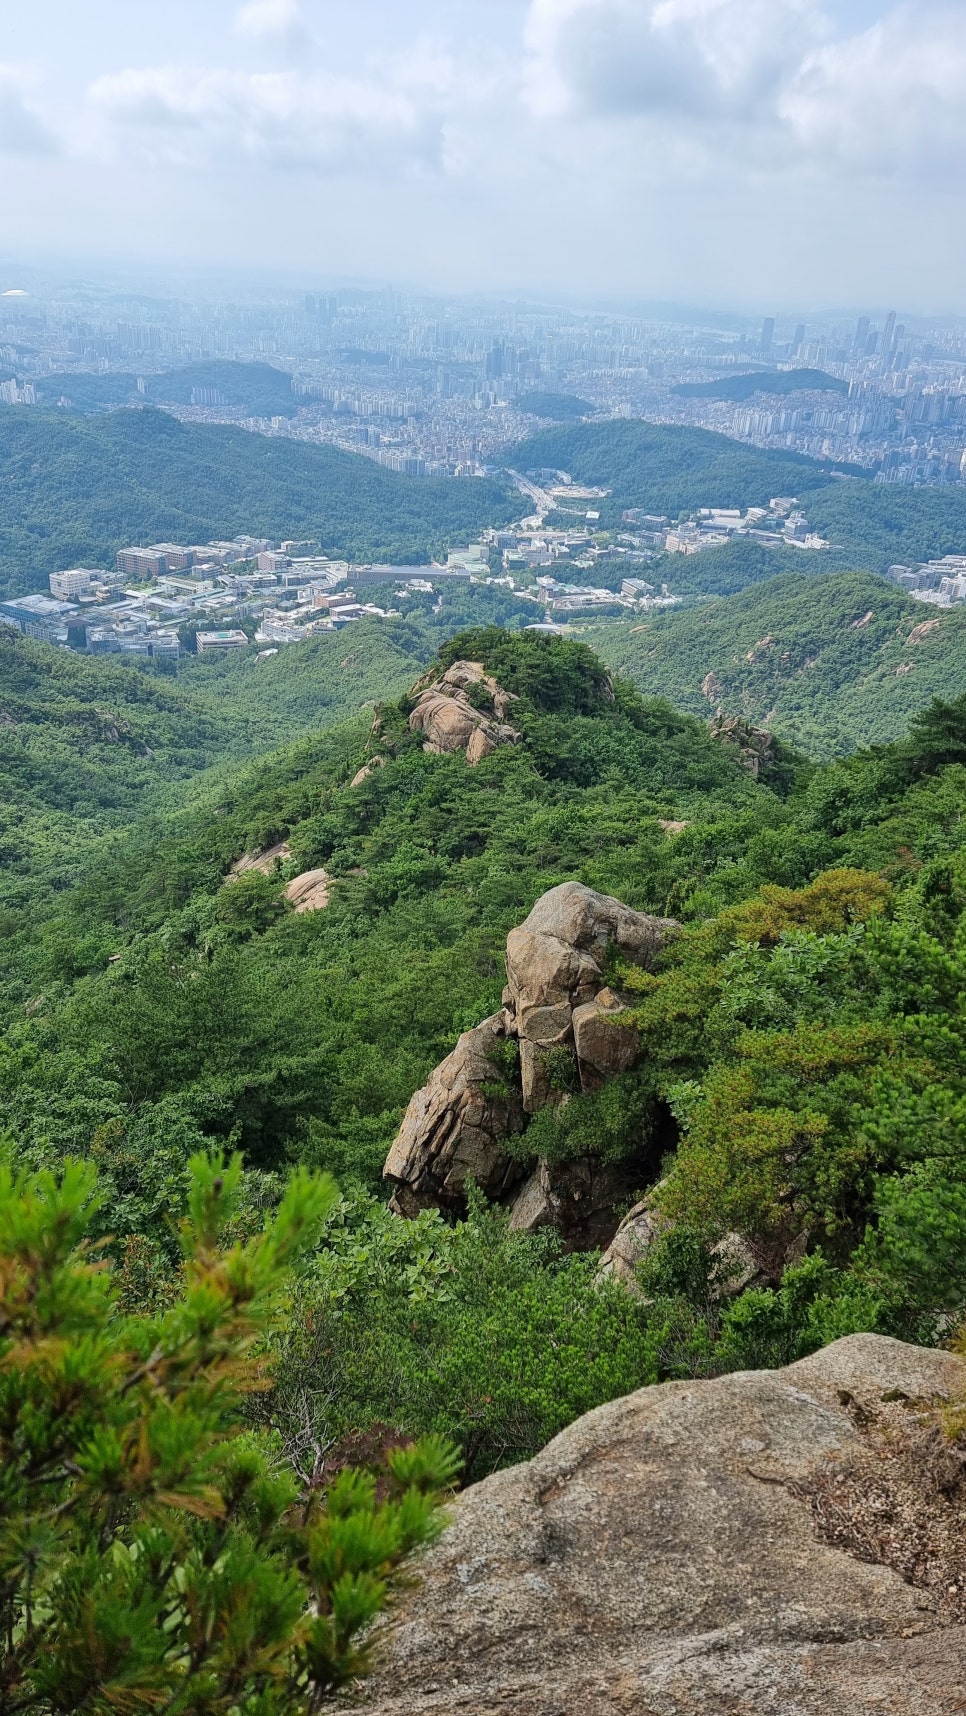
x: 500, y: 1073
x: 661, y: 1558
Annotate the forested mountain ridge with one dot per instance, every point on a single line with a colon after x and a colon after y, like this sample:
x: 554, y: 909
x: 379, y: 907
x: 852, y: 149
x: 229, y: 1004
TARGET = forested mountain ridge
x: 671, y: 470
x: 799, y: 1071
x: 75, y: 489
x: 258, y: 388
x: 830, y: 663
x: 91, y: 746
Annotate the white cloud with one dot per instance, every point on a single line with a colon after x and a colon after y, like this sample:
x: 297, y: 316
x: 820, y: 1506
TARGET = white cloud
x: 889, y: 99
x: 703, y: 59
x: 272, y: 21
x: 22, y: 130
x: 768, y: 80
x: 190, y: 117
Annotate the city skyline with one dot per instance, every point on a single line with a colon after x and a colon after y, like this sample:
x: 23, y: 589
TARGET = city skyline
x: 780, y: 154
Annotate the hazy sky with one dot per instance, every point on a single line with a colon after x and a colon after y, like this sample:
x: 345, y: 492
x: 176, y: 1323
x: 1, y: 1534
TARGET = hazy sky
x: 765, y: 152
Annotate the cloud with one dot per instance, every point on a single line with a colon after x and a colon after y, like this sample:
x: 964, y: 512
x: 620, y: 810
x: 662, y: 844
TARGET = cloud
x: 771, y: 80
x: 700, y: 59
x: 189, y: 117
x: 888, y: 100
x: 278, y: 21
x: 22, y: 131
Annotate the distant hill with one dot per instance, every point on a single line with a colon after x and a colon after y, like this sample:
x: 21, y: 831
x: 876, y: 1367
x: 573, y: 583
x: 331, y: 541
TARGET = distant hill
x: 744, y: 386
x: 258, y: 388
x: 670, y: 469
x: 828, y: 663
x: 78, y: 488
x: 562, y: 406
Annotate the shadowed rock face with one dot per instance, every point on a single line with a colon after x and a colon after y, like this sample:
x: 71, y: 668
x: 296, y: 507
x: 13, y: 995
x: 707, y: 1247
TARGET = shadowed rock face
x: 455, y: 1128
x: 556, y: 999
x: 655, y: 1560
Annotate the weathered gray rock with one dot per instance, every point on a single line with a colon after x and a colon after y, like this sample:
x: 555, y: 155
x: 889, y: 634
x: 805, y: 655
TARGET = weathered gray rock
x: 555, y: 956
x: 535, y: 1082
x: 456, y: 1126
x: 577, y: 1197
x: 266, y: 863
x: 757, y: 749
x: 604, y: 1047
x: 367, y: 770
x: 310, y: 892
x: 449, y: 721
x: 654, y: 1560
x: 641, y: 1226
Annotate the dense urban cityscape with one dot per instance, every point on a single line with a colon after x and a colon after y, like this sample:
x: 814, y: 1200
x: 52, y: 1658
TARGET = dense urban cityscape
x: 433, y: 386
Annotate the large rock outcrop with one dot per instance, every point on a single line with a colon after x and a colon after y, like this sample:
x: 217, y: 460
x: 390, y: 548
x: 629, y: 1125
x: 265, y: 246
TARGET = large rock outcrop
x: 660, y: 1558
x: 451, y: 720
x: 456, y: 1127
x: 757, y: 749
x: 556, y: 1000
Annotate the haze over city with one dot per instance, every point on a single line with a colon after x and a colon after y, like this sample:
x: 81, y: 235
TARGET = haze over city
x: 762, y: 153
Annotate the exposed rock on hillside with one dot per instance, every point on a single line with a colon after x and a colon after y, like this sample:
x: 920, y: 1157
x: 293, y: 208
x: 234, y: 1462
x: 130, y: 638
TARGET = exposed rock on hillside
x: 556, y: 999
x: 264, y: 862
x: 367, y: 769
x: 641, y: 1226
x: 756, y: 749
x: 660, y: 1558
x: 456, y: 1126
x: 310, y: 892
x: 464, y: 710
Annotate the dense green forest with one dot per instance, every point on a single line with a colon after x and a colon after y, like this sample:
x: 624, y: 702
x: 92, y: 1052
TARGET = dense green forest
x: 746, y: 385
x: 76, y: 489
x: 736, y: 565
x: 258, y: 388
x: 800, y: 1046
x: 829, y: 663
x: 669, y: 469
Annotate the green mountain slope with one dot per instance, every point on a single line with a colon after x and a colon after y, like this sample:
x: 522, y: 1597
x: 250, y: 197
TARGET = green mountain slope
x: 745, y: 386
x: 75, y: 489
x: 87, y: 747
x: 800, y: 1081
x: 829, y: 663
x: 669, y: 470
x: 258, y: 388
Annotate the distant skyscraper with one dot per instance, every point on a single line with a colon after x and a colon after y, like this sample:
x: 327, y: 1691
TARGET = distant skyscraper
x: 494, y: 362
x: 887, y: 333
x: 799, y: 339
x: 861, y: 335
x: 767, y: 335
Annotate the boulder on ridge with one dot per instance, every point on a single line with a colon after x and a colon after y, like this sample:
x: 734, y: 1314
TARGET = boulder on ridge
x: 556, y: 1000
x: 450, y: 721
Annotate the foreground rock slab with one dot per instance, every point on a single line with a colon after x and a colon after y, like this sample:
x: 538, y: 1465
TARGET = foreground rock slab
x: 655, y: 1560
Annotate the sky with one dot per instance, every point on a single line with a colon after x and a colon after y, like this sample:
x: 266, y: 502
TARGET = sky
x: 766, y: 154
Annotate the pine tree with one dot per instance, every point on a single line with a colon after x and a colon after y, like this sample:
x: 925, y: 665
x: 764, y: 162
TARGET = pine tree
x: 155, y: 1554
